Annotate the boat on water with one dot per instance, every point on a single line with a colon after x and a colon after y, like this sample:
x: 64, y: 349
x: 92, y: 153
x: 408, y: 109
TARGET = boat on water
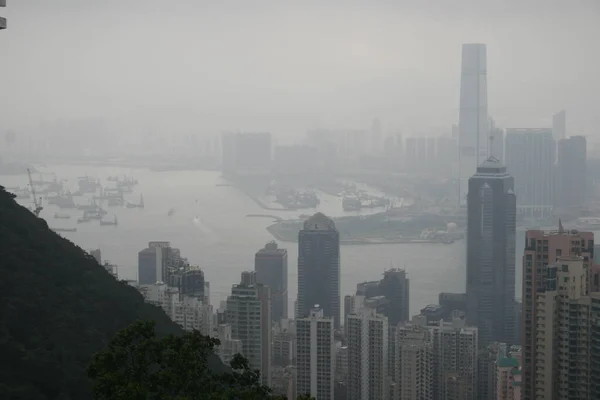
x: 64, y: 229
x: 116, y: 201
x: 61, y: 216
x: 83, y: 220
x: 64, y: 200
x: 171, y: 212
x: 87, y: 184
x: 139, y: 205
x: 114, y: 222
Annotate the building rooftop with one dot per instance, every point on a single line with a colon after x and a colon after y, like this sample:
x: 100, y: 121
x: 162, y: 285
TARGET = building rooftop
x: 506, y: 362
x: 271, y: 249
x: 491, y: 166
x: 319, y: 222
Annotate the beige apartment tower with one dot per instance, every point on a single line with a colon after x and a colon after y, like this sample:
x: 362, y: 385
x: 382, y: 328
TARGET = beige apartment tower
x: 249, y: 314
x: 413, y: 360
x: 565, y: 323
x: 541, y: 250
x: 367, y: 355
x: 315, y: 355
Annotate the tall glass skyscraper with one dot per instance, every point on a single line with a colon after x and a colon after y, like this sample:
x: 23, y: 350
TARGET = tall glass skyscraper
x: 319, y: 268
x: 473, y: 124
x: 491, y: 230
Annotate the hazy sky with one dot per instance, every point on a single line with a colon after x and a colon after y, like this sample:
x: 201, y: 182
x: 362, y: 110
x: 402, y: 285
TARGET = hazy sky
x: 202, y: 66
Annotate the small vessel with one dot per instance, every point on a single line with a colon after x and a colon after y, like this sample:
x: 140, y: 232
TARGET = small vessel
x: 115, y: 201
x: 140, y: 205
x: 171, y: 212
x: 61, y: 215
x: 87, y: 184
x: 62, y: 200
x: 115, y: 222
x: 82, y: 220
x: 64, y: 229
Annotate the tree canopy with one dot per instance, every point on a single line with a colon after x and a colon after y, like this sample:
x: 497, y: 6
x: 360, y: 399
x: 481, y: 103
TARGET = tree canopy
x: 138, y: 365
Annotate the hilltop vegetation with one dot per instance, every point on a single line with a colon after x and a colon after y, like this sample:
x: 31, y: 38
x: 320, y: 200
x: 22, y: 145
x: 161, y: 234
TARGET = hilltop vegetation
x: 58, y: 307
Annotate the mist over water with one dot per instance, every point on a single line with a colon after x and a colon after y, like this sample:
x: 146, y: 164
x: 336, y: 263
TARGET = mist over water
x: 211, y: 227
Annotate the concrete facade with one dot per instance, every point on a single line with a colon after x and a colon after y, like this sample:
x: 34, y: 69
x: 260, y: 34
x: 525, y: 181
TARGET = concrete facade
x: 473, y: 124
x: 315, y: 354
x: 367, y: 355
x: 491, y: 237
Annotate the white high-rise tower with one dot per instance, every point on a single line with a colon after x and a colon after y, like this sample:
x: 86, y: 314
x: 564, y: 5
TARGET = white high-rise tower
x: 473, y: 122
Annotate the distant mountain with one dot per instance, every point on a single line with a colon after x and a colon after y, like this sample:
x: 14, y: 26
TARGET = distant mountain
x: 58, y: 307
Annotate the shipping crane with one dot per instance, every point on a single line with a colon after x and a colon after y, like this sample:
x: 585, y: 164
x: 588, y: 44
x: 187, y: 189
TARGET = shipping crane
x: 38, y: 204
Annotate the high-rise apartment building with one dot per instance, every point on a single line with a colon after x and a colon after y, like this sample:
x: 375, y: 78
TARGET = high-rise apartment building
x: 193, y: 313
x: 562, y: 367
x: 473, y: 121
x: 571, y: 183
x: 486, y: 369
x: 271, y: 266
x: 530, y: 159
x: 190, y: 313
x: 367, y: 355
x: 508, y: 379
x: 229, y: 346
x: 413, y: 358
x: 541, y: 250
x: 491, y: 235
x: 315, y: 354
x: 249, y: 314
x: 395, y: 287
x: 454, y: 359
x: 559, y: 125
x: 156, y: 263
x: 284, y: 347
x: 319, y: 267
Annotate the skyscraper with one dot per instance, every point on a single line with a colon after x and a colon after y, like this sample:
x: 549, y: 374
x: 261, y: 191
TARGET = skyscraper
x: 530, y: 157
x: 559, y: 125
x: 315, y: 355
x: 541, y: 250
x: 571, y: 172
x: 155, y: 263
x: 271, y: 266
x: 413, y: 360
x: 473, y: 124
x: 491, y: 230
x: 395, y: 286
x: 454, y: 364
x: 566, y: 323
x: 367, y: 355
x: 249, y: 314
x: 319, y: 267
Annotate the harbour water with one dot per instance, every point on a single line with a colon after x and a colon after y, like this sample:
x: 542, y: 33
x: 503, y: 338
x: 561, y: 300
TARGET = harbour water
x: 210, y: 226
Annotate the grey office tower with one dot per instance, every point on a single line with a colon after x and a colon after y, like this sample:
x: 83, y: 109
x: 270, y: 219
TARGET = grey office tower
x: 491, y: 229
x: 271, y: 266
x: 319, y: 267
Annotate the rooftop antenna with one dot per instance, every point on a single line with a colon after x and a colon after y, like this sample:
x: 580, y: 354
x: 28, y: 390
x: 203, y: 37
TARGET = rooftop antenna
x: 561, y: 230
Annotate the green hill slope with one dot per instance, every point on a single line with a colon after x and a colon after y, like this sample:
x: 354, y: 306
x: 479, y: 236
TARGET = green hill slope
x: 58, y: 307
